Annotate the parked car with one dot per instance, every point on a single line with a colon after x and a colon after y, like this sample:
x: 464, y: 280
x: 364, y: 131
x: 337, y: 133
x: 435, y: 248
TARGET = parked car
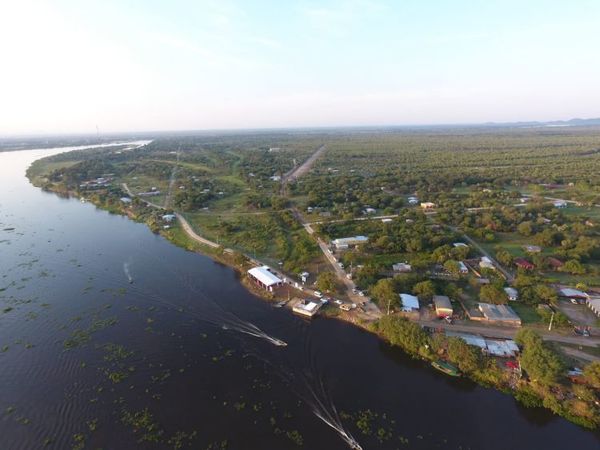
x: 318, y: 294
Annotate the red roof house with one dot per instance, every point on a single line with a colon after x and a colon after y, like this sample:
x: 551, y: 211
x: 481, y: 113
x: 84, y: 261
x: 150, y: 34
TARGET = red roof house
x: 522, y: 263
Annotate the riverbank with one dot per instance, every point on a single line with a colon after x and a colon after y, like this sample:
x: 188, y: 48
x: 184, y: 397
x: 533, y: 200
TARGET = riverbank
x: 484, y: 371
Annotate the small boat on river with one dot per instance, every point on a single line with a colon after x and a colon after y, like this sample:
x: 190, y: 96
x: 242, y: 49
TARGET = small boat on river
x: 446, y: 367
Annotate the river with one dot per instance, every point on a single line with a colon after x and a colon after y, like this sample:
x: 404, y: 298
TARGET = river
x: 111, y: 337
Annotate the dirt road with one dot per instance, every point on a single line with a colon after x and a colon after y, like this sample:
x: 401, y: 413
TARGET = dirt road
x: 302, y: 169
x: 509, y: 332
x: 191, y: 233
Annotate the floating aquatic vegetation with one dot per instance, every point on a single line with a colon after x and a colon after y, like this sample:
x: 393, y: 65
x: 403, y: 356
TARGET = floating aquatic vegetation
x: 143, y: 423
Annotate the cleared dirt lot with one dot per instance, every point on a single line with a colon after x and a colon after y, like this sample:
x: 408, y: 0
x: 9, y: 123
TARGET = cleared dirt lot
x: 579, y: 314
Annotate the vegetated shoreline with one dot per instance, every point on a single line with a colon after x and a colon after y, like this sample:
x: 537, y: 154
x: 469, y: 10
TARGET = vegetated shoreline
x: 387, y: 329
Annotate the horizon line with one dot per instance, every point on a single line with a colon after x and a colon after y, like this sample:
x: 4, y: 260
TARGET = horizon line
x: 43, y: 134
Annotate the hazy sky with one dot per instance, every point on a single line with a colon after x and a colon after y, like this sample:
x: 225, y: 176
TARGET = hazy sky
x: 67, y: 66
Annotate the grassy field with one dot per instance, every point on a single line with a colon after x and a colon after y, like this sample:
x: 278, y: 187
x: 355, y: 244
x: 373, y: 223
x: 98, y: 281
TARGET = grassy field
x: 527, y: 313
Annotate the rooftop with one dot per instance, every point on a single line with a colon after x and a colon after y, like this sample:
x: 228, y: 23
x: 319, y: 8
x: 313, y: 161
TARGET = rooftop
x: 409, y: 302
x: 501, y: 313
x: 441, y: 301
x: 265, y: 276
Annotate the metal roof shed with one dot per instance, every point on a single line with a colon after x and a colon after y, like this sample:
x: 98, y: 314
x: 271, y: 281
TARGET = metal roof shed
x: 265, y: 277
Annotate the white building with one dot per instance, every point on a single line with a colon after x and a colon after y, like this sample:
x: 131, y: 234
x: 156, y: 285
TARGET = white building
x: 306, y: 308
x: 573, y: 293
x: 263, y: 277
x: 342, y: 243
x: 512, y: 293
x: 427, y: 205
x: 410, y: 303
x: 594, y: 304
x: 169, y: 217
x: 486, y: 263
x: 402, y: 267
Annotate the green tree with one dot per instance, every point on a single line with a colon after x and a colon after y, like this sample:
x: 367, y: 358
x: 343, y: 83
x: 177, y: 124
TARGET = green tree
x: 591, y: 372
x: 452, y: 267
x: 525, y: 228
x: 504, y: 257
x: 467, y: 357
x: 405, y: 334
x: 424, y: 289
x: 546, y: 294
x: 538, y: 359
x: 384, y: 294
x: 573, y: 267
x: 326, y: 282
x: 491, y: 294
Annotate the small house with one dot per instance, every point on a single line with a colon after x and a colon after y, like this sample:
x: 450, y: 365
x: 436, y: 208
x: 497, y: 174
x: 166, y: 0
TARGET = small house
x: 410, y: 303
x: 573, y: 293
x: 522, y: 263
x: 486, y: 263
x: 168, y: 217
x: 306, y: 308
x: 427, y: 205
x: 512, y: 293
x: 554, y: 263
x: 402, y: 267
x: 343, y: 243
x: 443, y: 307
x: 462, y: 268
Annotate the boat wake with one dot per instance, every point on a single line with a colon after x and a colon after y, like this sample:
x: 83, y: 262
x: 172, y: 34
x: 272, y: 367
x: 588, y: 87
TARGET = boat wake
x: 324, y: 408
x: 127, y: 273
x: 210, y: 311
x: 249, y: 328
